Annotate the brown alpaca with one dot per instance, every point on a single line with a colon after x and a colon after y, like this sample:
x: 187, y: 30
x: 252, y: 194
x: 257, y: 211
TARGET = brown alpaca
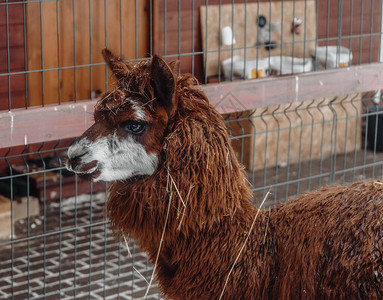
x: 178, y: 190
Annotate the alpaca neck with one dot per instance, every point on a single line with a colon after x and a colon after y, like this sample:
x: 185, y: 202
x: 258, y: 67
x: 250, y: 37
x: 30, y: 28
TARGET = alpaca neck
x: 198, y: 173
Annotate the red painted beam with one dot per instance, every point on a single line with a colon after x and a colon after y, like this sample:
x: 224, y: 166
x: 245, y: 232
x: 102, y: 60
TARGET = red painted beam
x: 35, y: 125
x: 49, y: 123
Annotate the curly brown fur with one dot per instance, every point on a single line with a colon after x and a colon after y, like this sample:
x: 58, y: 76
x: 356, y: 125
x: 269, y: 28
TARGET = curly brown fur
x: 326, y: 244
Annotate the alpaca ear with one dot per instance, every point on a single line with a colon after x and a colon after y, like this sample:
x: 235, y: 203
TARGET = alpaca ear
x: 174, y: 65
x: 164, y: 84
x: 116, y: 64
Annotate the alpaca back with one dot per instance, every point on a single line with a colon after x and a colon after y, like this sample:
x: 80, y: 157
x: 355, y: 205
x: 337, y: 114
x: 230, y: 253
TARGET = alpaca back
x: 330, y: 243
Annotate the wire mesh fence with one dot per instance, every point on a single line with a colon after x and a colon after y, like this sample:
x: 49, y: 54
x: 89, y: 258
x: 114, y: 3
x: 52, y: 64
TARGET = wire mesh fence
x: 55, y: 240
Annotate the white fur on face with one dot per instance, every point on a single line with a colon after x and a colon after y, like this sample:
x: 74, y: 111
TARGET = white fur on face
x: 117, y: 159
x: 139, y: 112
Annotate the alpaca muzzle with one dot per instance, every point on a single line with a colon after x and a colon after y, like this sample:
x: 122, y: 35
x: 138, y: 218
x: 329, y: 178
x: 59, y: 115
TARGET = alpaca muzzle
x: 78, y: 164
x: 82, y: 169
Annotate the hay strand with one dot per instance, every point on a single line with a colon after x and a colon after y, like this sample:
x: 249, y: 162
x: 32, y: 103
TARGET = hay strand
x: 178, y: 192
x: 243, y: 246
x: 183, y: 212
x: 161, y: 241
x: 127, y: 246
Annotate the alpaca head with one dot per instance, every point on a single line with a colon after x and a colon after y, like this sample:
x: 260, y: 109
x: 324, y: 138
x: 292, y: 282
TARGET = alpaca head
x: 130, y: 123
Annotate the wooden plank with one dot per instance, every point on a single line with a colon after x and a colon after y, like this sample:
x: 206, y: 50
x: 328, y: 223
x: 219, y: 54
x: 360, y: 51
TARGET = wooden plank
x: 15, y: 12
x: 12, y: 39
x: 20, y: 127
x: 50, y: 58
x: 17, y: 95
x: 34, y: 62
x: 220, y: 16
x: 16, y: 60
x: 243, y: 95
x: 84, y: 29
x: 34, y: 125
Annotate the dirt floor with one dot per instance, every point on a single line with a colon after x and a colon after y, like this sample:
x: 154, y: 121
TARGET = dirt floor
x: 79, y: 257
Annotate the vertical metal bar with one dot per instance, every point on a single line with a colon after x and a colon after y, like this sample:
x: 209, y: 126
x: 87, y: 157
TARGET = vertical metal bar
x: 281, y: 52
x: 90, y: 47
x: 135, y: 30
x: 44, y: 214
x: 270, y: 22
x: 206, y: 36
x: 12, y: 221
x: 121, y: 35
x: 327, y: 31
x: 293, y: 45
x: 254, y: 134
x: 288, y: 152
x: 90, y: 238
x: 105, y: 246
x: 75, y: 54
x: 345, y: 140
x: 179, y: 35
x: 151, y: 27
x: 378, y: 93
x: 332, y: 151
x: 118, y: 267
x: 58, y: 50
x: 381, y: 33
x: 304, y: 35
x: 365, y: 144
x: 193, y: 38
x: 361, y: 31
x: 265, y: 151
x: 219, y: 42
x: 28, y: 221
x: 277, y: 153
x: 371, y: 29
x: 350, y: 39
x: 60, y: 212
x: 311, y: 144
x: 300, y: 147
x: 244, y: 40
x: 242, y: 139
x: 334, y: 133
x: 8, y: 56
x: 258, y: 31
x: 321, y: 142
x: 133, y: 262
x: 75, y: 238
x: 42, y: 53
x: 232, y: 40
x: 355, y: 138
x: 25, y: 54
x: 106, y: 40
x: 376, y: 110
x: 339, y: 40
x: 165, y: 28
x: 316, y: 35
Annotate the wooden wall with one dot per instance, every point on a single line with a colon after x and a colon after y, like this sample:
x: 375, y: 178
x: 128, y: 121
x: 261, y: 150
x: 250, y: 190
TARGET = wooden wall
x: 359, y: 17
x: 354, y: 13
x: 71, y: 36
x: 15, y: 35
x: 65, y: 34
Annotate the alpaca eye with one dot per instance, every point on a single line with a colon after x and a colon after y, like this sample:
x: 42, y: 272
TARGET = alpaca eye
x: 135, y: 128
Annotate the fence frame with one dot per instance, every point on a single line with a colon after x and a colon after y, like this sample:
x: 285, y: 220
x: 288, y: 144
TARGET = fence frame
x: 55, y: 122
